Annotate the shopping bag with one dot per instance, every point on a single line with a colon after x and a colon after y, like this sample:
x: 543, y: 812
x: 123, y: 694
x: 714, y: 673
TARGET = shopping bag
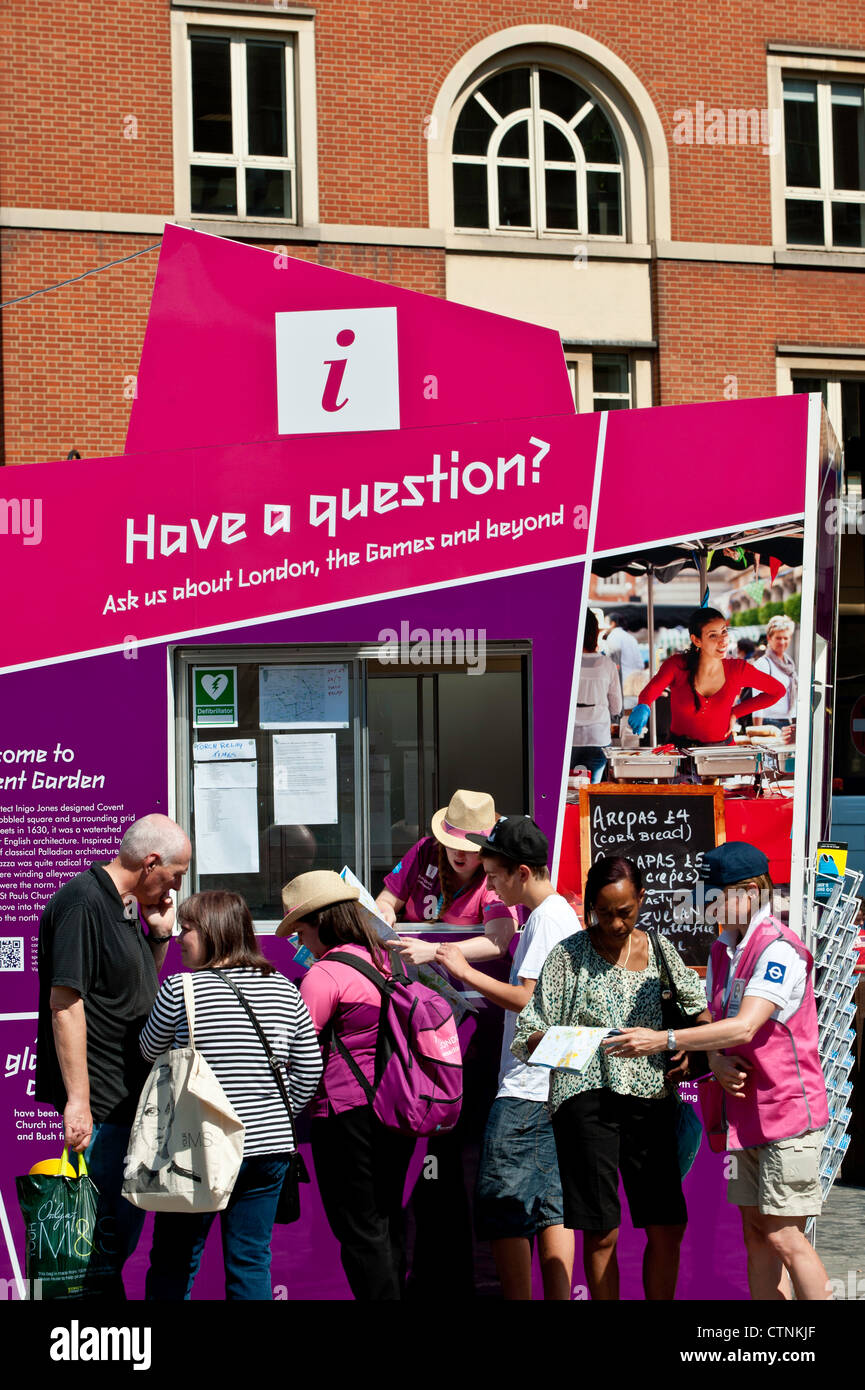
x: 66, y: 1253
x: 186, y: 1144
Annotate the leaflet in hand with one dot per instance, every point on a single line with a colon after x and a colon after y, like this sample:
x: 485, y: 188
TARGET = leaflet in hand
x: 568, y: 1049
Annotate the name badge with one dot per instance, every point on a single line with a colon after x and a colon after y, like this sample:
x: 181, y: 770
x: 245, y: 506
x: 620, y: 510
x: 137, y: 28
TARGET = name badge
x: 736, y: 997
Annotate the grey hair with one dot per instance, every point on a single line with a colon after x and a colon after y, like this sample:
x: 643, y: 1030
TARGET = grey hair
x: 153, y: 834
x: 780, y: 624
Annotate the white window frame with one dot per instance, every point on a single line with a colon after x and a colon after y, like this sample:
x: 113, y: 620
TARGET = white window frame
x: 580, y: 367
x: 297, y: 34
x: 825, y: 193
x: 536, y: 163
x: 825, y: 71
x: 642, y: 135
x: 834, y: 370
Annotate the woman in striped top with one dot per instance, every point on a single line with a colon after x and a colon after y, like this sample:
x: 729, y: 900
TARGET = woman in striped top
x: 216, y: 931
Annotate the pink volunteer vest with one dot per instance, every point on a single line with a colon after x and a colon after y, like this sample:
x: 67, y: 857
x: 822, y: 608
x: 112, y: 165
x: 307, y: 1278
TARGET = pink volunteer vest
x: 785, y: 1094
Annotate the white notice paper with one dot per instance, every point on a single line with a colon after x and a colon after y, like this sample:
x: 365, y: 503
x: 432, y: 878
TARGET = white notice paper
x: 223, y: 750
x: 304, y: 779
x: 303, y: 697
x: 226, y: 817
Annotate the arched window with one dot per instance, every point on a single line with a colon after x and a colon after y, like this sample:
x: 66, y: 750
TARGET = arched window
x: 534, y: 152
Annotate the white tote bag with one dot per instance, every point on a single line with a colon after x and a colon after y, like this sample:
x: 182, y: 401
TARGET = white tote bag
x: 186, y: 1144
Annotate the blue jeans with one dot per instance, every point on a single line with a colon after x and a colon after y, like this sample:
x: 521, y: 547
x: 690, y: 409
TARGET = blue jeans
x: 118, y: 1222
x: 591, y: 757
x: 247, y: 1225
x: 518, y: 1191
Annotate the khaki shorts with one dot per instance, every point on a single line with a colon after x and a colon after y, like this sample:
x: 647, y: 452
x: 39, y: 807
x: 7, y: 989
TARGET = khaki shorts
x: 780, y: 1178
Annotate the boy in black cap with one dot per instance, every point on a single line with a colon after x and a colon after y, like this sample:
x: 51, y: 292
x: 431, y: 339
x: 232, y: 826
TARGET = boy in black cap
x: 519, y: 1194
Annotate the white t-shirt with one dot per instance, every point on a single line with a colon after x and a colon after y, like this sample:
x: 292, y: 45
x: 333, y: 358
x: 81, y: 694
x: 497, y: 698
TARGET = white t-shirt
x: 624, y: 648
x: 549, y: 924
x: 780, y: 710
x: 780, y: 974
x: 599, y: 699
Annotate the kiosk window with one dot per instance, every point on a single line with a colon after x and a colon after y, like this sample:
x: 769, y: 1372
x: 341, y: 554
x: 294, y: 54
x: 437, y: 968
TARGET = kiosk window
x: 314, y: 758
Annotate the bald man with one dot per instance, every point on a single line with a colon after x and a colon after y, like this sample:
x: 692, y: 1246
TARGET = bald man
x: 98, y: 978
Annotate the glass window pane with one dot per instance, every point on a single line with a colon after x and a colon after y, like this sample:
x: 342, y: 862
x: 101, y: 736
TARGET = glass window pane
x: 596, y: 135
x: 265, y: 98
x: 605, y: 204
x: 610, y: 403
x: 516, y: 143
x: 852, y: 411
x: 801, y: 146
x: 474, y: 128
x: 213, y: 191
x: 268, y: 193
x: 556, y: 146
x: 394, y: 757
x: 848, y: 137
x: 211, y: 95
x: 609, y: 374
x: 848, y: 224
x: 561, y: 95
x: 470, y: 196
x: 803, y: 385
x: 561, y: 189
x: 508, y: 91
x: 287, y: 849
x: 514, y: 198
x: 804, y: 223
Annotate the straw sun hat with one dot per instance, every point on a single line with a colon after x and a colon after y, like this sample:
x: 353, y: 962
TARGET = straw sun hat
x: 467, y: 813
x: 309, y: 893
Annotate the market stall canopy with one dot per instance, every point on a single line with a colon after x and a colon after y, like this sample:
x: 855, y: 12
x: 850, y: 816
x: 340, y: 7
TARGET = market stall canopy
x: 635, y: 615
x: 784, y: 545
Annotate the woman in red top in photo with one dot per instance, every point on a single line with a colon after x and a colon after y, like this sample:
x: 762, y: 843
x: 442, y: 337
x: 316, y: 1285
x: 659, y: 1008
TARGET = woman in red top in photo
x: 704, y: 685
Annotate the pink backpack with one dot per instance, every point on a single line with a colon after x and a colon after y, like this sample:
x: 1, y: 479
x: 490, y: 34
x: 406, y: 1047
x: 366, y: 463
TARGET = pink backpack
x: 417, y: 1085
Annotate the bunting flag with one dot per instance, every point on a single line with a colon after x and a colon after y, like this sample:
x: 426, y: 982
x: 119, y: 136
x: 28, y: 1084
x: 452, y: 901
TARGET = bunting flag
x: 754, y: 590
x: 774, y: 566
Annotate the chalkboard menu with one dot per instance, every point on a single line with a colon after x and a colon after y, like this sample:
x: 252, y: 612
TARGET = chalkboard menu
x: 666, y: 830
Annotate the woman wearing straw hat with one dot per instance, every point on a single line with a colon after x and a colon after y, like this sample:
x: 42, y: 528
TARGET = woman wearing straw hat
x: 441, y: 879
x: 360, y: 1166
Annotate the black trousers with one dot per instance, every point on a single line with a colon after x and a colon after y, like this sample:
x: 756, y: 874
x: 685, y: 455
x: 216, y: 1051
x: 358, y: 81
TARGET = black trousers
x: 361, y: 1169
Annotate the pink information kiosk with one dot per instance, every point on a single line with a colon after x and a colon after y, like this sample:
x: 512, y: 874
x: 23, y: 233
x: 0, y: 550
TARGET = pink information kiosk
x: 339, y: 572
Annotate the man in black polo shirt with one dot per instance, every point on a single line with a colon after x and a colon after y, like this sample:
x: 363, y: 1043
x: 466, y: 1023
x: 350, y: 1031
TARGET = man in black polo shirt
x: 98, y: 978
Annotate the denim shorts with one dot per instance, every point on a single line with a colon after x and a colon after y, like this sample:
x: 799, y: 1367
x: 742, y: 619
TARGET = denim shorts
x: 518, y: 1189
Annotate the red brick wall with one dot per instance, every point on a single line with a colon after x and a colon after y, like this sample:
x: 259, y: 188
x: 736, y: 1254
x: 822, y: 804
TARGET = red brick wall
x: 714, y: 321
x: 68, y: 355
x: 71, y: 79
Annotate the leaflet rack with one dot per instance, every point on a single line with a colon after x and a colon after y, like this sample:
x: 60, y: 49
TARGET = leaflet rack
x: 833, y: 937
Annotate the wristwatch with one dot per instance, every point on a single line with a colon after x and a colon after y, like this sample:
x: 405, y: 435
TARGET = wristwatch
x: 671, y: 1040
x: 160, y: 940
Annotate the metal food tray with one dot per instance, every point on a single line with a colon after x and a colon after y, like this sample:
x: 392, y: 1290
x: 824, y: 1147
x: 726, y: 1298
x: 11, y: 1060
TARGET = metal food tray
x: 643, y: 764
x: 725, y: 760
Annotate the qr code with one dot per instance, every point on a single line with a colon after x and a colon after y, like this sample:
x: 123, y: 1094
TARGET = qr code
x: 11, y: 953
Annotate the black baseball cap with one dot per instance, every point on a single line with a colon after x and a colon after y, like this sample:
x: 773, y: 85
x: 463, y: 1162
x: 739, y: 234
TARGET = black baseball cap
x: 516, y: 838
x: 733, y: 862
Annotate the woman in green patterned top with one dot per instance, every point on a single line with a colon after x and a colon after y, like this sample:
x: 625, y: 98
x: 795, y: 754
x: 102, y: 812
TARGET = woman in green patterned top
x: 618, y: 1114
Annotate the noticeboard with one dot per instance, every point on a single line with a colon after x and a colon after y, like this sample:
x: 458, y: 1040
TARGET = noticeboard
x: 666, y: 831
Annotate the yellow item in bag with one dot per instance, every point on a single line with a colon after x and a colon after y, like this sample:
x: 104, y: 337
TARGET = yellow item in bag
x: 57, y: 1167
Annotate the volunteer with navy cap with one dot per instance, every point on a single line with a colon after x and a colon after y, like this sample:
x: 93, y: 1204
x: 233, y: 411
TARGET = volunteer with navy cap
x: 770, y: 1105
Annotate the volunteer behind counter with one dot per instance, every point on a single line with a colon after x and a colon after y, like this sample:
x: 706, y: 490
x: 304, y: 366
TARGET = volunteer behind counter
x: 704, y: 685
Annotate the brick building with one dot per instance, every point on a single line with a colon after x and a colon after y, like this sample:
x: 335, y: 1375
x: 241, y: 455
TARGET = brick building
x: 678, y: 190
